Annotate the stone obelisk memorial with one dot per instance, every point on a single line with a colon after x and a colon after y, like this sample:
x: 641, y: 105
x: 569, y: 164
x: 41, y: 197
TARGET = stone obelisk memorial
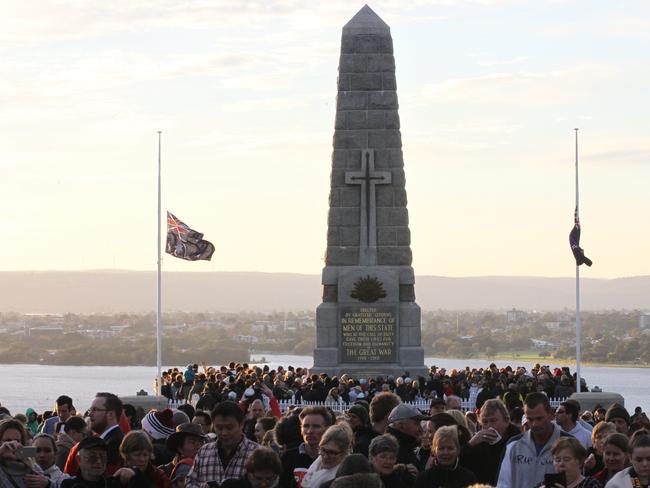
x: 368, y: 322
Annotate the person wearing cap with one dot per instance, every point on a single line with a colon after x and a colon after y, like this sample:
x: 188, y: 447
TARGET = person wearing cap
x: 184, y: 443
x: 92, y: 460
x: 617, y: 415
x: 224, y: 458
x: 528, y: 456
x: 405, y: 424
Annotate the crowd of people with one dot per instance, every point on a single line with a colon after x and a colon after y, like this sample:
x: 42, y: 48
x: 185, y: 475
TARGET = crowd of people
x: 229, y: 431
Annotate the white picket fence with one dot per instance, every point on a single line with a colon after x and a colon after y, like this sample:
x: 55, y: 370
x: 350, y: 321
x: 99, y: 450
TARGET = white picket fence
x: 467, y: 405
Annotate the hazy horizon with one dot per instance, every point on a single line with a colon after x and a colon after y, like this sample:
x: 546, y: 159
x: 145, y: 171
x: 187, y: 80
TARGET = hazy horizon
x: 244, y: 94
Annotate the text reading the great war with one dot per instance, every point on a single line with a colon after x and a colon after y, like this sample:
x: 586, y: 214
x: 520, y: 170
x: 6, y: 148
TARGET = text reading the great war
x: 368, y: 334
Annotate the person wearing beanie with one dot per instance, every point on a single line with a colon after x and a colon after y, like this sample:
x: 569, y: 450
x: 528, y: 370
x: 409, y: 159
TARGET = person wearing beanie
x: 617, y: 415
x: 159, y: 425
x: 359, y: 420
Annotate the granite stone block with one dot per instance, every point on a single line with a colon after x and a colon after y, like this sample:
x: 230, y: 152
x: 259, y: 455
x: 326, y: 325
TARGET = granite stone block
x: 411, y: 356
x: 409, y: 315
x: 326, y: 356
x: 392, y: 217
x: 389, y: 158
x: 399, y: 180
x: 386, y: 236
x: 339, y: 159
x: 335, y: 197
x: 367, y: 44
x: 406, y: 275
x: 350, y: 196
x: 344, y: 216
x: 349, y: 236
x: 388, y: 81
x: 342, y: 256
x: 407, y: 294
x: 337, y: 178
x: 403, y: 236
x: 333, y: 236
x: 348, y: 42
x: 330, y: 294
x: 394, y: 256
x: 357, y: 119
x: 365, y: 81
x: 386, y: 44
x: 380, y: 63
x: 340, y: 121
x: 353, y: 63
x: 350, y: 139
x: 354, y: 159
x: 400, y: 197
x: 381, y: 100
x: 343, y: 82
x: 352, y: 100
x: 384, y: 196
x: 392, y: 119
x: 380, y: 139
x: 376, y: 119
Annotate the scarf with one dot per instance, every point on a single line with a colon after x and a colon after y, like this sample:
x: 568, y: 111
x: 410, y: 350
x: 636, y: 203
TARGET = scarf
x: 316, y: 475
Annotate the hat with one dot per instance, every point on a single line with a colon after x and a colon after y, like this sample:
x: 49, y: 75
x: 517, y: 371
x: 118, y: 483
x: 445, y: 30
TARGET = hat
x: 249, y: 392
x: 92, y: 443
x: 232, y: 395
x: 159, y: 425
x: 406, y: 412
x: 179, y: 417
x: 175, y: 440
x: 616, y: 411
x: 360, y: 412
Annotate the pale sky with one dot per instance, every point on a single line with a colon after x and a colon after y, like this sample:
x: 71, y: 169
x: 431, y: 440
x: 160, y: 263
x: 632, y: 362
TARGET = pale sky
x: 244, y: 92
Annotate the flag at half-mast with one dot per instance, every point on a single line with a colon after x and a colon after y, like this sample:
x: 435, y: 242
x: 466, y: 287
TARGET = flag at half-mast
x: 574, y: 240
x: 186, y: 243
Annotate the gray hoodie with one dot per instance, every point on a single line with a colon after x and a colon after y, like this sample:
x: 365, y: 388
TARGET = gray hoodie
x: 521, y: 466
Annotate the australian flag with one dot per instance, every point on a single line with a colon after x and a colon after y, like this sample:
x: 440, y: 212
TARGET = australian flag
x: 574, y: 240
x: 186, y: 243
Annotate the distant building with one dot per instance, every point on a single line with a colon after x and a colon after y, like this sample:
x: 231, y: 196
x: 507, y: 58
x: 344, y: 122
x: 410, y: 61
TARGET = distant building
x: 553, y: 325
x: 515, y: 316
x: 247, y: 339
x: 44, y: 331
x: 644, y: 321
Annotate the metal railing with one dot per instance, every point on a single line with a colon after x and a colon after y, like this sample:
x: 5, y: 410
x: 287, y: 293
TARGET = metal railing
x: 467, y: 405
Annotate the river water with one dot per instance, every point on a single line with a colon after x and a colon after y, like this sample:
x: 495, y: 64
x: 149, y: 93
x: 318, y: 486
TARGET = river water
x: 37, y: 386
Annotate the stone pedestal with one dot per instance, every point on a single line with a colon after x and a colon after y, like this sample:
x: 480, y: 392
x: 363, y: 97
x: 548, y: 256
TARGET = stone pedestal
x: 368, y: 323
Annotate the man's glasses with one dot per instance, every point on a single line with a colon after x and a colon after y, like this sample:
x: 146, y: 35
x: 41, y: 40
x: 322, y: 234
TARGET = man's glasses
x: 96, y: 457
x: 95, y: 409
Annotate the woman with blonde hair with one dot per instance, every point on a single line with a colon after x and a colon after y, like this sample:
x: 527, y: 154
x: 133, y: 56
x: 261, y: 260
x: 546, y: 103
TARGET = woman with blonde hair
x: 594, y: 462
x: 336, y: 443
x: 445, y: 471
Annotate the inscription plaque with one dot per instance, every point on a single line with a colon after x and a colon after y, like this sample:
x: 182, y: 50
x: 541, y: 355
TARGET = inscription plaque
x: 368, y: 334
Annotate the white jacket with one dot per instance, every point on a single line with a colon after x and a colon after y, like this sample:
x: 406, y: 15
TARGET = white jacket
x: 620, y: 480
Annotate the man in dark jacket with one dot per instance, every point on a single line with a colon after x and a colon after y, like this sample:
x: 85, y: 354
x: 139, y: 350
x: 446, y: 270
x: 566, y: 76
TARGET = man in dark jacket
x: 404, y: 422
x: 482, y: 454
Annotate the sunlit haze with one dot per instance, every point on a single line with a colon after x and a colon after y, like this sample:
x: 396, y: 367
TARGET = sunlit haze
x: 244, y: 94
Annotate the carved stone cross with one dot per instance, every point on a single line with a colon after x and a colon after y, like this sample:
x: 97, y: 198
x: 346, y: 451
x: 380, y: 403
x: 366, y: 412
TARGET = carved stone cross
x: 368, y: 178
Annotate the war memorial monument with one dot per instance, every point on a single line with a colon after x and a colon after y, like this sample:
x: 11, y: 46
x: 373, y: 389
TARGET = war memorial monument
x: 368, y: 322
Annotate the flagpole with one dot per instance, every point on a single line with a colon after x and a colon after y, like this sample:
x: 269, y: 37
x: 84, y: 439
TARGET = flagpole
x: 578, y: 320
x: 158, y: 290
